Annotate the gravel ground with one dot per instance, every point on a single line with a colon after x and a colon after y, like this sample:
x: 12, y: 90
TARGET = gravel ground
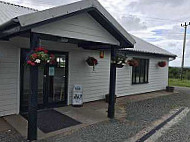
x: 139, y: 115
x: 11, y: 136
x: 181, y: 131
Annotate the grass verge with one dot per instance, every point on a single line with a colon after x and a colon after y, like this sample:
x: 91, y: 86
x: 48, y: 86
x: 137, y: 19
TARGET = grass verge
x: 178, y: 82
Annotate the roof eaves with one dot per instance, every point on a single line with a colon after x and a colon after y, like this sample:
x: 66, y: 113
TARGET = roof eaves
x: 151, y: 53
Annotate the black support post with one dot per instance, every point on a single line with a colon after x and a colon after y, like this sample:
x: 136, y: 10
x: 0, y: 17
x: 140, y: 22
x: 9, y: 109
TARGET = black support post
x: 111, y: 106
x: 33, y: 102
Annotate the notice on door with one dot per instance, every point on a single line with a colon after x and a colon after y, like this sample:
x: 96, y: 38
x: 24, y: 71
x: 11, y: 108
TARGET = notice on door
x: 51, y: 71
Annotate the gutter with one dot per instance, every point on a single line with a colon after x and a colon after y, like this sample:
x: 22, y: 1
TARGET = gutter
x: 149, y: 53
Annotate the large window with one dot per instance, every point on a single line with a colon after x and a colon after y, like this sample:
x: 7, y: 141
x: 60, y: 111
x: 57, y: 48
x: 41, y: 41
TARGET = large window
x: 140, y: 73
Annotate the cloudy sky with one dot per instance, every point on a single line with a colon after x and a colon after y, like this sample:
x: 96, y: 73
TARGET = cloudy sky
x: 156, y: 21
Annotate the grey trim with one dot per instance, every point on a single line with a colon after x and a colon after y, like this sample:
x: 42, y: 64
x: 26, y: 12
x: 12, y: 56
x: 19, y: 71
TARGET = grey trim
x: 130, y: 52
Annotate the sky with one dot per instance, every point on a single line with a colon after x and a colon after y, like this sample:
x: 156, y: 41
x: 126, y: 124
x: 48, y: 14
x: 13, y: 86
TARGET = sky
x: 156, y: 21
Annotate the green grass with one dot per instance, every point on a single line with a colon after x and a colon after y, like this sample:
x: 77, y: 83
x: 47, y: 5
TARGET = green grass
x: 178, y: 82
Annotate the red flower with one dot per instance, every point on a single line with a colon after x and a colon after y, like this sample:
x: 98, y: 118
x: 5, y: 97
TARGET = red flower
x: 29, y: 62
x: 45, y: 51
x: 34, y: 55
x: 162, y: 64
x: 133, y: 62
x: 32, y: 64
x: 92, y: 61
x: 39, y: 49
x: 95, y: 62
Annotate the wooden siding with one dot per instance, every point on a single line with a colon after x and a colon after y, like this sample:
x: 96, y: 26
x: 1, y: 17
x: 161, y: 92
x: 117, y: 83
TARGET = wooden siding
x: 96, y: 83
x: 9, y: 70
x: 157, y: 78
x: 81, y: 26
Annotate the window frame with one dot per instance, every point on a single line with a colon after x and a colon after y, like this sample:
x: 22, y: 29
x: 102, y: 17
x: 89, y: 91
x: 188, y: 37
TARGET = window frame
x: 142, y: 72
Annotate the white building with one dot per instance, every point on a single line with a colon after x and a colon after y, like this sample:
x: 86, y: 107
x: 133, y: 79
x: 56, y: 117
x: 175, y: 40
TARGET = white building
x: 73, y: 33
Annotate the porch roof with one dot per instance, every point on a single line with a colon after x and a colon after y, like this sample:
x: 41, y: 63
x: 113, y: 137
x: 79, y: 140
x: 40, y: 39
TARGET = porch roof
x: 93, y: 7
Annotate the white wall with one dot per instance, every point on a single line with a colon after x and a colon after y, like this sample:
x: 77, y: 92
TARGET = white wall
x: 81, y: 26
x: 9, y: 79
x: 95, y: 83
x: 158, y: 78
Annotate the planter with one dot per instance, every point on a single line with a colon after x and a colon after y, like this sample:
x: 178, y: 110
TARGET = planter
x: 91, y: 61
x: 162, y: 64
x: 107, y: 98
x: 133, y: 63
x: 169, y: 89
x: 119, y: 65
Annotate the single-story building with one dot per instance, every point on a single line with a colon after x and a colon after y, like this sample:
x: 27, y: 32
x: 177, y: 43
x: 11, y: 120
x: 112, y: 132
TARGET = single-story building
x: 72, y: 33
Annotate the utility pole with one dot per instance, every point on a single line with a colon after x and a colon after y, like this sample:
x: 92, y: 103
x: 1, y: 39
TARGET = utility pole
x: 184, y: 43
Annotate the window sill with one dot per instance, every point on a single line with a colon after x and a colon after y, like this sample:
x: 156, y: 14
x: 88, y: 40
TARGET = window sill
x: 140, y: 83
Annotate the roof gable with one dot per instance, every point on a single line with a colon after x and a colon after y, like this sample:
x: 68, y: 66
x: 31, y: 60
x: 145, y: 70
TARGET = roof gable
x: 81, y: 26
x: 93, y: 7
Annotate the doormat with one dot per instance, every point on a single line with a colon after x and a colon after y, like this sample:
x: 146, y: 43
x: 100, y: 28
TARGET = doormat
x: 51, y: 120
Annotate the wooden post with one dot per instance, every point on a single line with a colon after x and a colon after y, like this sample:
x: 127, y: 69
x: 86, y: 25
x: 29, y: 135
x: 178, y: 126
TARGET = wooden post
x: 33, y: 102
x: 111, y: 106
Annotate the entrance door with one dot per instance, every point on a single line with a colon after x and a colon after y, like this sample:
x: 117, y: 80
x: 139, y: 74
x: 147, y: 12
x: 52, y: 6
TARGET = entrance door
x: 52, y: 82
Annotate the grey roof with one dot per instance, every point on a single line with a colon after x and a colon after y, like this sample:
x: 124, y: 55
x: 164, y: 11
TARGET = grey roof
x: 40, y: 16
x: 29, y: 16
x: 9, y: 11
x: 146, y: 47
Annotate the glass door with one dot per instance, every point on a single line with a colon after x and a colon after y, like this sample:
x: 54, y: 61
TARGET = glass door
x: 52, y: 82
x: 57, y: 80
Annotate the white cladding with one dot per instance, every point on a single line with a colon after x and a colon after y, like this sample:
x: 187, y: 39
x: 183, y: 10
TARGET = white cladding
x: 157, y: 78
x: 9, y: 79
x: 95, y: 83
x: 81, y: 26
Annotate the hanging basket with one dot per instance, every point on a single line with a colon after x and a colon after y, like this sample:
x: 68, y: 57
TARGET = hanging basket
x: 119, y: 65
x: 120, y: 61
x: 39, y: 57
x: 162, y: 64
x: 91, y: 61
x: 133, y: 63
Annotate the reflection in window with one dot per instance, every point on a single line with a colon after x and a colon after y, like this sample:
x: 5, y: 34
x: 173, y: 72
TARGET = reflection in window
x: 60, y: 62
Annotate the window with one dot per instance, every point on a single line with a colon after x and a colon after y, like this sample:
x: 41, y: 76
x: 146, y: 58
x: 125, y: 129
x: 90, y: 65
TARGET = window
x: 140, y: 73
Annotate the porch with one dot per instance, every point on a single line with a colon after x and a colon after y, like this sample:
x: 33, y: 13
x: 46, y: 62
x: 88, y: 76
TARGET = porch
x: 84, y: 24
